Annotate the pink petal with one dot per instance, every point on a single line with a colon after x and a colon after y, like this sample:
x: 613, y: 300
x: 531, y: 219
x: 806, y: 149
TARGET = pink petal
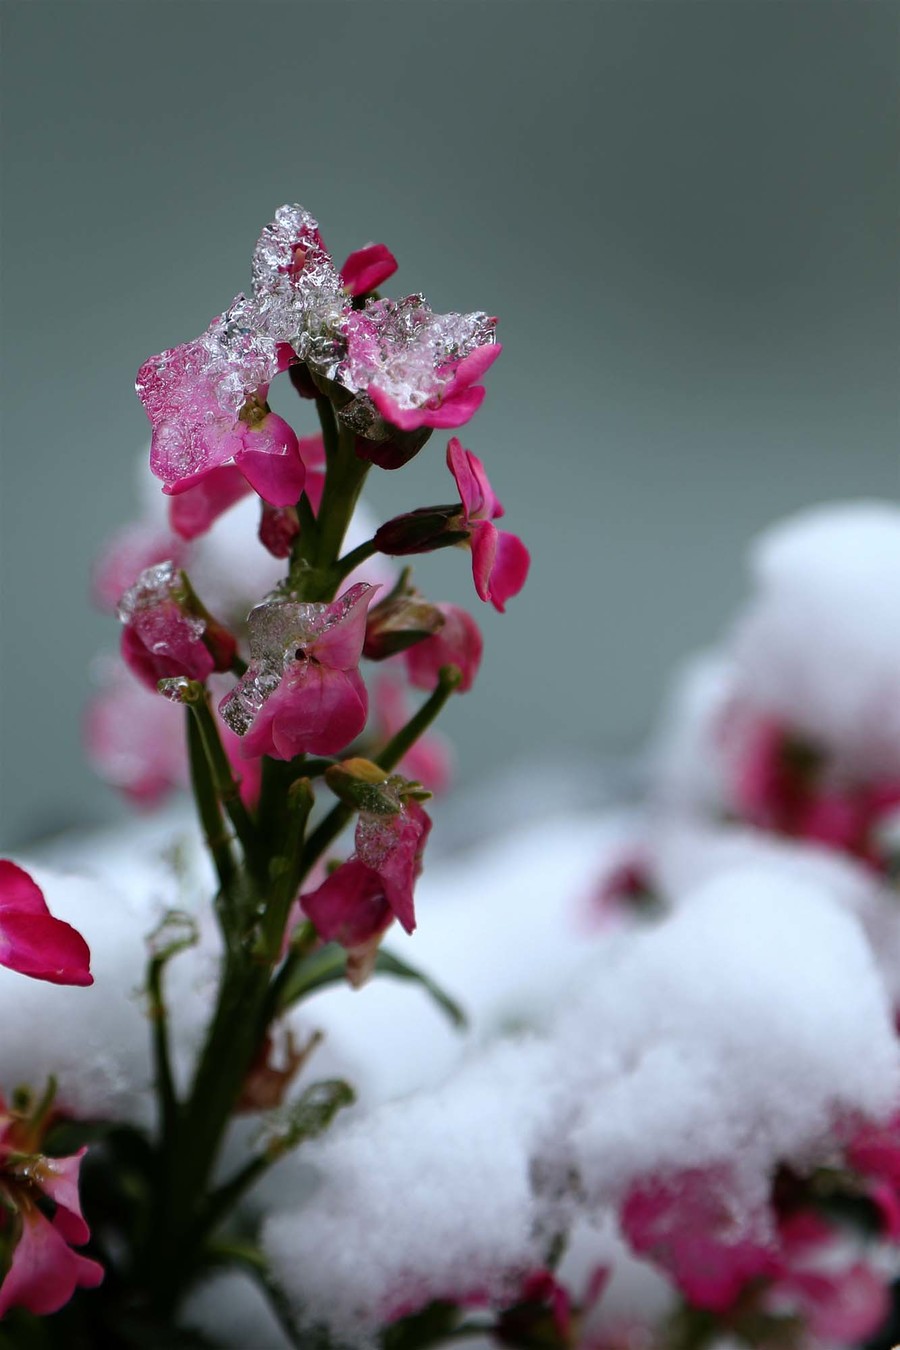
x: 45, y: 1272
x: 135, y: 739
x: 350, y: 906
x: 483, y: 539
x: 340, y: 645
x: 59, y: 1180
x: 473, y: 366
x: 194, y: 510
x: 458, y: 643
x: 270, y: 461
x: 44, y: 948
x: 455, y: 409
x: 510, y: 570
x: 459, y: 462
x: 315, y: 710
x: 843, y: 1308
x: 19, y: 892
x: 367, y: 268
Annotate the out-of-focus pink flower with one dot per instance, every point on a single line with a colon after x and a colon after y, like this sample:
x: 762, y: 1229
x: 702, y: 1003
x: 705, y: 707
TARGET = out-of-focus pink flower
x: 430, y: 759
x: 167, y: 632
x: 32, y: 942
x: 367, y: 268
x: 458, y: 643
x: 500, y: 560
x: 135, y: 740
x: 779, y: 782
x: 126, y: 555
x: 416, y: 368
x: 361, y: 897
x: 688, y: 1225
x: 302, y: 692
x: 44, y: 1272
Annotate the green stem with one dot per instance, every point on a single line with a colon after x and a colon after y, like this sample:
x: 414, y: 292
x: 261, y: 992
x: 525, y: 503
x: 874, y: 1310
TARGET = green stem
x: 352, y: 560
x: 162, y: 1061
x: 449, y: 679
x: 254, y: 1263
x: 218, y: 840
x: 285, y: 870
x: 227, y: 789
x: 328, y: 423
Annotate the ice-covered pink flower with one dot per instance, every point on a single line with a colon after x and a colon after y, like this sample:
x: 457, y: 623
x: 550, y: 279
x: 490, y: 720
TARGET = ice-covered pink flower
x: 168, y: 633
x: 32, y: 942
x: 302, y: 692
x: 358, y: 901
x: 206, y: 401
x: 413, y: 367
x: 44, y: 1272
x: 500, y: 560
x: 457, y: 643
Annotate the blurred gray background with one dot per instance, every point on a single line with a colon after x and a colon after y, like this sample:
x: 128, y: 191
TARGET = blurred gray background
x: 682, y: 211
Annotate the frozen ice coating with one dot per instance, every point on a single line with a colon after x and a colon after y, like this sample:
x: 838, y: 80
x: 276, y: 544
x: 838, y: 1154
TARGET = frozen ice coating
x: 408, y: 352
x: 193, y: 394
x: 283, y: 634
x: 299, y: 292
x: 629, y: 1081
x: 819, y: 642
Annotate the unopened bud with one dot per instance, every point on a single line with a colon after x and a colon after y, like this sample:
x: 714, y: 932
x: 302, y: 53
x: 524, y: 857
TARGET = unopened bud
x: 401, y: 620
x: 422, y: 531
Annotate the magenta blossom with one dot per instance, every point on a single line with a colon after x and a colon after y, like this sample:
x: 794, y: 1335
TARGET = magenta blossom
x: 206, y: 401
x: 500, y: 560
x: 302, y: 693
x: 32, y: 942
x: 129, y: 552
x: 687, y: 1224
x: 44, y: 1271
x: 457, y: 643
x: 412, y: 367
x: 367, y: 268
x: 167, y: 631
x: 361, y: 898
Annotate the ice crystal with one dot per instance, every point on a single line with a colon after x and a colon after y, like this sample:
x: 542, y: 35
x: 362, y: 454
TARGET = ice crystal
x: 298, y: 290
x: 407, y: 351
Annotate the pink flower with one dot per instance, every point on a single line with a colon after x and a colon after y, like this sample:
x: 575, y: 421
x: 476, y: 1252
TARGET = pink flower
x: 458, y: 643
x: 302, y: 693
x: 500, y: 561
x: 367, y: 268
x: 782, y: 783
x: 687, y: 1224
x: 413, y: 367
x: 32, y: 942
x: 135, y: 740
x: 193, y: 511
x: 44, y: 1272
x: 360, y: 898
x: 206, y: 401
x: 168, y: 632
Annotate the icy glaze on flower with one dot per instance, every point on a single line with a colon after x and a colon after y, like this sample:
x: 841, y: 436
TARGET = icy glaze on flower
x: 167, y: 633
x: 302, y: 692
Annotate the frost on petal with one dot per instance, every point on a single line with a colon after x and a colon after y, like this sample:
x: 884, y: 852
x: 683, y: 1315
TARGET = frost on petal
x: 193, y: 394
x: 301, y: 692
x: 132, y: 549
x: 404, y: 357
x: 298, y: 289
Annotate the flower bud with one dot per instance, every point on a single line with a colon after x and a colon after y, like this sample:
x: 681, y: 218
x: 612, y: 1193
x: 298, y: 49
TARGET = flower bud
x: 365, y: 787
x: 278, y: 528
x: 421, y: 531
x: 402, y: 619
x: 393, y: 450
